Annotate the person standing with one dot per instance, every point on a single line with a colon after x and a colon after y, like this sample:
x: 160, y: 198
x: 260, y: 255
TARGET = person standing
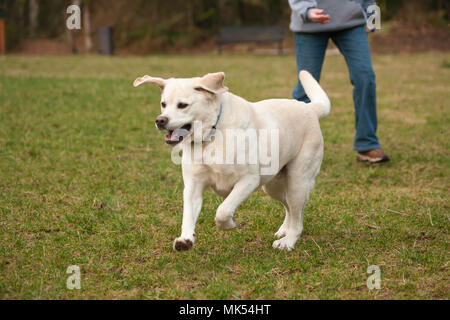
x: 344, y: 22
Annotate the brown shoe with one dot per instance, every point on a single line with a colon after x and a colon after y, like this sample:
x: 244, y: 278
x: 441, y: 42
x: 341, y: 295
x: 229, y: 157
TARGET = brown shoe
x: 372, y: 156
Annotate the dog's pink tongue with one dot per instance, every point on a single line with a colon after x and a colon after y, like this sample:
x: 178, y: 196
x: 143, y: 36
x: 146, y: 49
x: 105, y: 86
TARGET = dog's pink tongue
x: 172, y: 136
x: 176, y: 135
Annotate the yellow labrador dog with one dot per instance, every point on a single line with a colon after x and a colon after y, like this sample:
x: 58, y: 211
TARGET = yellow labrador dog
x: 198, y: 115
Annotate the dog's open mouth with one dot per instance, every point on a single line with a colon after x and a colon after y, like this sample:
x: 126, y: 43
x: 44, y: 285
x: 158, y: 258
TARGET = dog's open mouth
x: 174, y: 137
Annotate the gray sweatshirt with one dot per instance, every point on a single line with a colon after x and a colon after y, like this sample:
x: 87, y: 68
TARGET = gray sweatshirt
x: 344, y: 14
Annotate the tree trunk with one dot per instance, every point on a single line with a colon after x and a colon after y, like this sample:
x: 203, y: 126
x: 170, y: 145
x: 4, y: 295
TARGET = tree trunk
x: 87, y: 27
x: 34, y: 14
x: 71, y: 33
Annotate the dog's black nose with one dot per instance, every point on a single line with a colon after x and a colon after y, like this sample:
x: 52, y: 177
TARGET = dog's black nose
x: 161, y: 122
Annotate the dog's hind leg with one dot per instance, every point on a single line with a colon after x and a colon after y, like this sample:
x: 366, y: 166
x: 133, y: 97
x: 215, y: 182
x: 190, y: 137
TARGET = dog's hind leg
x: 301, y: 172
x: 296, y: 199
x: 276, y: 188
x: 285, y: 226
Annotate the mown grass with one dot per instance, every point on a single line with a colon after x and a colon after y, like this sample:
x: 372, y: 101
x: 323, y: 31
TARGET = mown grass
x: 86, y: 180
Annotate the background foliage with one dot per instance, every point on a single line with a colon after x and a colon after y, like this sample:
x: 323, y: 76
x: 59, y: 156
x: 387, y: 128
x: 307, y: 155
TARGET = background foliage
x: 159, y: 24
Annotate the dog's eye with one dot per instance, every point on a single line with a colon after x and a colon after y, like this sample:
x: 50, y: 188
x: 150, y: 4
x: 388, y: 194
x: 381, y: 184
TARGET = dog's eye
x: 163, y: 104
x: 182, y: 105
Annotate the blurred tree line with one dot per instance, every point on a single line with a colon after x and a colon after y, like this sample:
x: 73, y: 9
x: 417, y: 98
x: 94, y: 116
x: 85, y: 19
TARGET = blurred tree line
x: 159, y: 24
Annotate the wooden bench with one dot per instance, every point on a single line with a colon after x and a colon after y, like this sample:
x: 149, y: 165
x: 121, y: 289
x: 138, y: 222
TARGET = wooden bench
x: 229, y: 35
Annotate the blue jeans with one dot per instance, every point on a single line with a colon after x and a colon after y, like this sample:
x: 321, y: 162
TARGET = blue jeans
x: 353, y: 44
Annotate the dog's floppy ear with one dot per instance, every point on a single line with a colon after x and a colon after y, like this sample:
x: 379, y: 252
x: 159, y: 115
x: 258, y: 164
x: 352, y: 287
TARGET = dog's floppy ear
x: 158, y: 81
x: 212, y: 83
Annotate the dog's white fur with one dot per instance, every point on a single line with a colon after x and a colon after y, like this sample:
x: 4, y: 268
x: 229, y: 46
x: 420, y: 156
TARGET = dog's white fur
x: 300, y: 150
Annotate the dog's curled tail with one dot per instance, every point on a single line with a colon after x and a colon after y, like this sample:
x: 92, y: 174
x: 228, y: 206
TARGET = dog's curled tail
x: 318, y: 97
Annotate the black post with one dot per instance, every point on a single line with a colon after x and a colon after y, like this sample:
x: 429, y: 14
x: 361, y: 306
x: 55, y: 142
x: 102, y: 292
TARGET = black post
x: 106, y: 40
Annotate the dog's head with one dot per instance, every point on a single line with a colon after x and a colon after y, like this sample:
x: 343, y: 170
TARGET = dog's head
x: 184, y: 101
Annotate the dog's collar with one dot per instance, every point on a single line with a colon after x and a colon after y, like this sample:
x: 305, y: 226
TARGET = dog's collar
x: 214, y: 127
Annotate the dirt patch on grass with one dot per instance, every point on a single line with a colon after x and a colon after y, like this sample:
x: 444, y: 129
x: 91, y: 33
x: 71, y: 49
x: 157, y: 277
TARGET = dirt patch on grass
x: 403, y: 38
x: 43, y: 47
x: 399, y: 38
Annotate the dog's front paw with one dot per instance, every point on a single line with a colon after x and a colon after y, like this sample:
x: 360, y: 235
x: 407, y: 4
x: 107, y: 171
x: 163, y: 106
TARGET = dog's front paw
x: 226, y: 224
x: 285, y: 243
x: 183, y: 244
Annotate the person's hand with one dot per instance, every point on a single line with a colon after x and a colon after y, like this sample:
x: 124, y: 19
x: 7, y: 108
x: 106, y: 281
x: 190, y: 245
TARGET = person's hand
x: 317, y: 16
x: 369, y: 30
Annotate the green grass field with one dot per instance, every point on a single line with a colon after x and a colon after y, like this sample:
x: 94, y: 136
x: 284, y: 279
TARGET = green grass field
x: 87, y: 180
